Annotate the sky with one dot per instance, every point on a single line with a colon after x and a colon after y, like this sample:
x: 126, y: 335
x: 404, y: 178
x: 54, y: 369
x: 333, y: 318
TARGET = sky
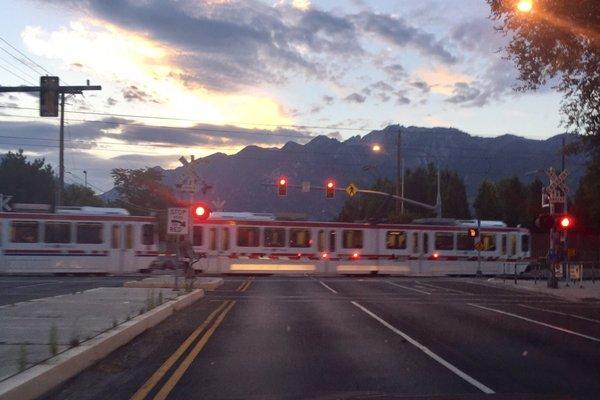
x: 217, y: 75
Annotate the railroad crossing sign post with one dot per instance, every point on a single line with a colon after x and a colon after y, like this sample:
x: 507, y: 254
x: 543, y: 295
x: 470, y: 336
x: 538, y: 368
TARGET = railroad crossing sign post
x: 554, y: 194
x: 177, y: 221
x: 50, y: 91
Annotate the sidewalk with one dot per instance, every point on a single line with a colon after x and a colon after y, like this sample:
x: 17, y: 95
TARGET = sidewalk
x: 589, y: 292
x: 31, y: 331
x: 168, y: 281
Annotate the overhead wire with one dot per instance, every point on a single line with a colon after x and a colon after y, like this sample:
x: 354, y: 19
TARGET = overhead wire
x: 25, y: 55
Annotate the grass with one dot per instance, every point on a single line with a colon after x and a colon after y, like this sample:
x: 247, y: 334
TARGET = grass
x: 53, y: 340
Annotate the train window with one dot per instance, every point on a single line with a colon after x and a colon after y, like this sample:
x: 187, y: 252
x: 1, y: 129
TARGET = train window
x: 352, y: 239
x: 332, y: 236
x: 212, y: 238
x: 225, y: 239
x: 300, y: 238
x: 444, y: 241
x: 415, y: 243
x: 198, y: 235
x: 274, y: 237
x: 503, y: 244
x: 57, y: 232
x: 247, y: 237
x: 464, y: 242
x: 395, y: 240
x: 425, y: 242
x: 489, y: 241
x: 525, y: 243
x: 129, y: 236
x: 115, y: 241
x: 24, y: 232
x: 89, y: 233
x: 321, y: 240
x: 148, y: 234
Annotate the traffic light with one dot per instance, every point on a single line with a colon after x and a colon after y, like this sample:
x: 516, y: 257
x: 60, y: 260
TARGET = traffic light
x: 564, y: 222
x: 473, y: 232
x: 329, y: 188
x: 49, y: 96
x: 282, y: 186
x: 200, y: 212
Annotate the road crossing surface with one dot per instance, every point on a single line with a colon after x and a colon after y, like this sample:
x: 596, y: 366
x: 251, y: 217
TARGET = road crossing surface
x: 272, y: 337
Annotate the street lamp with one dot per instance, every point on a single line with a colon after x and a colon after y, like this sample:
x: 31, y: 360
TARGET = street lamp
x: 525, y: 6
x: 376, y: 148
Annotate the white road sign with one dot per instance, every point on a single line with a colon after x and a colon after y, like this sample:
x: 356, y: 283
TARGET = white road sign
x: 4, y: 200
x: 177, y: 221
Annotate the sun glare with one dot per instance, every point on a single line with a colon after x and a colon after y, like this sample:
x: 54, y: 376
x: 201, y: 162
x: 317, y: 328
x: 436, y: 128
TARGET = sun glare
x: 525, y: 5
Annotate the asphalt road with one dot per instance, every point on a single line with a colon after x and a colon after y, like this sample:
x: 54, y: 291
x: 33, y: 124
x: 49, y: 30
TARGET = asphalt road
x: 338, y: 338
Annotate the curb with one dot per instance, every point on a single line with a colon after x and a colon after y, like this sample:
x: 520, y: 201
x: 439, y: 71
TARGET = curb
x: 530, y: 289
x: 211, y: 285
x: 43, y: 377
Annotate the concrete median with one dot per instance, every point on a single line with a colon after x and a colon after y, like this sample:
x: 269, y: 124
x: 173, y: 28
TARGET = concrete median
x: 168, y: 281
x: 51, y: 372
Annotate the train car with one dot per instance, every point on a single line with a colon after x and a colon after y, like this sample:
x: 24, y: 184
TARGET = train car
x: 76, y: 240
x: 250, y: 243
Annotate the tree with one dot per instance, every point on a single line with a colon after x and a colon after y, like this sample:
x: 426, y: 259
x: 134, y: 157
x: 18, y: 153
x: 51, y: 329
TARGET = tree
x: 558, y: 41
x: 26, y: 181
x: 533, y: 193
x: 587, y: 199
x: 420, y: 185
x: 141, y: 190
x: 487, y: 203
x: 79, y: 195
x: 512, y: 201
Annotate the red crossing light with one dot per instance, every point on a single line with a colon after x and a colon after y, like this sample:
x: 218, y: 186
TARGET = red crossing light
x: 565, y: 222
x: 329, y: 188
x: 473, y: 232
x: 282, y: 186
x: 200, y: 212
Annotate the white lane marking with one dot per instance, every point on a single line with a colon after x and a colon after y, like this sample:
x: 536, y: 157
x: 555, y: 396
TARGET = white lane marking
x: 328, y: 287
x: 426, y: 350
x: 36, y: 284
x: 561, y: 313
x: 445, y: 288
x: 558, y: 328
x: 408, y: 287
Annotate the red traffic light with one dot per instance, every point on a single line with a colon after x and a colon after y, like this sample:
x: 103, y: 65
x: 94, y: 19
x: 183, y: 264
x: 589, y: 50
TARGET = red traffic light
x: 473, y: 232
x: 329, y: 188
x: 565, y: 222
x: 200, y: 212
x: 282, y: 186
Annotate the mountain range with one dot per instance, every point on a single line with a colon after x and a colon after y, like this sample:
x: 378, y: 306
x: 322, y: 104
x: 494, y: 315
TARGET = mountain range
x: 245, y: 181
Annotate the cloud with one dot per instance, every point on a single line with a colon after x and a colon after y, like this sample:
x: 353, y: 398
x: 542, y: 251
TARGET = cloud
x: 399, y: 32
x: 401, y: 99
x: 422, y: 86
x: 328, y: 100
x: 466, y: 94
x: 355, y: 98
x: 396, y: 72
x: 133, y: 93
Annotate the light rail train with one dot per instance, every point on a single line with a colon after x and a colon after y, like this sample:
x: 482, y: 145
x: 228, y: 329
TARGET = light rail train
x: 101, y: 240
x: 257, y: 243
x: 76, y: 240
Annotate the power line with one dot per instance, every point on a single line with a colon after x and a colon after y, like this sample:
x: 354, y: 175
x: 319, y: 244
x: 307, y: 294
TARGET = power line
x: 25, y: 73
x: 14, y: 74
x: 196, y: 121
x: 21, y: 61
x: 25, y: 55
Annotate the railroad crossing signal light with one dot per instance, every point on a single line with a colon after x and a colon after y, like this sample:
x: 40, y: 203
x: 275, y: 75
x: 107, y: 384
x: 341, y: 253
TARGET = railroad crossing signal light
x: 282, y: 186
x: 545, y: 222
x: 49, y: 96
x: 200, y: 212
x: 564, y: 222
x: 473, y: 232
x: 330, y: 188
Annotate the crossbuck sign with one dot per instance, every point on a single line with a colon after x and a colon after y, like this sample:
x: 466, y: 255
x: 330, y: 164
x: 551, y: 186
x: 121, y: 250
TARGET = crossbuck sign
x: 557, y: 189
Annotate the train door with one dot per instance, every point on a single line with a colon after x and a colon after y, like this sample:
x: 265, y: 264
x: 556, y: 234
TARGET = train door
x: 127, y: 248
x: 117, y: 246
x: 224, y: 244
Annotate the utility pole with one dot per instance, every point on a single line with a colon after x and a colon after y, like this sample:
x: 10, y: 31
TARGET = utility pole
x: 50, y: 91
x: 399, y: 180
x: 85, y: 177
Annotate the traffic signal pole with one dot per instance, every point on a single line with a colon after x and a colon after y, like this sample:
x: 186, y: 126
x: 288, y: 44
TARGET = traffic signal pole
x: 49, y: 91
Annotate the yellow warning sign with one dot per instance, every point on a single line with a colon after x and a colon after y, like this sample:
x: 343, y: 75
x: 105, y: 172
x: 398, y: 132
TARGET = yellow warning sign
x: 479, y: 246
x: 351, y: 189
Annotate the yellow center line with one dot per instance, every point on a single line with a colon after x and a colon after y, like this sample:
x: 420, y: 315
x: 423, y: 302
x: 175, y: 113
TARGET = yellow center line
x: 170, y: 384
x: 239, y: 289
x: 162, y: 370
